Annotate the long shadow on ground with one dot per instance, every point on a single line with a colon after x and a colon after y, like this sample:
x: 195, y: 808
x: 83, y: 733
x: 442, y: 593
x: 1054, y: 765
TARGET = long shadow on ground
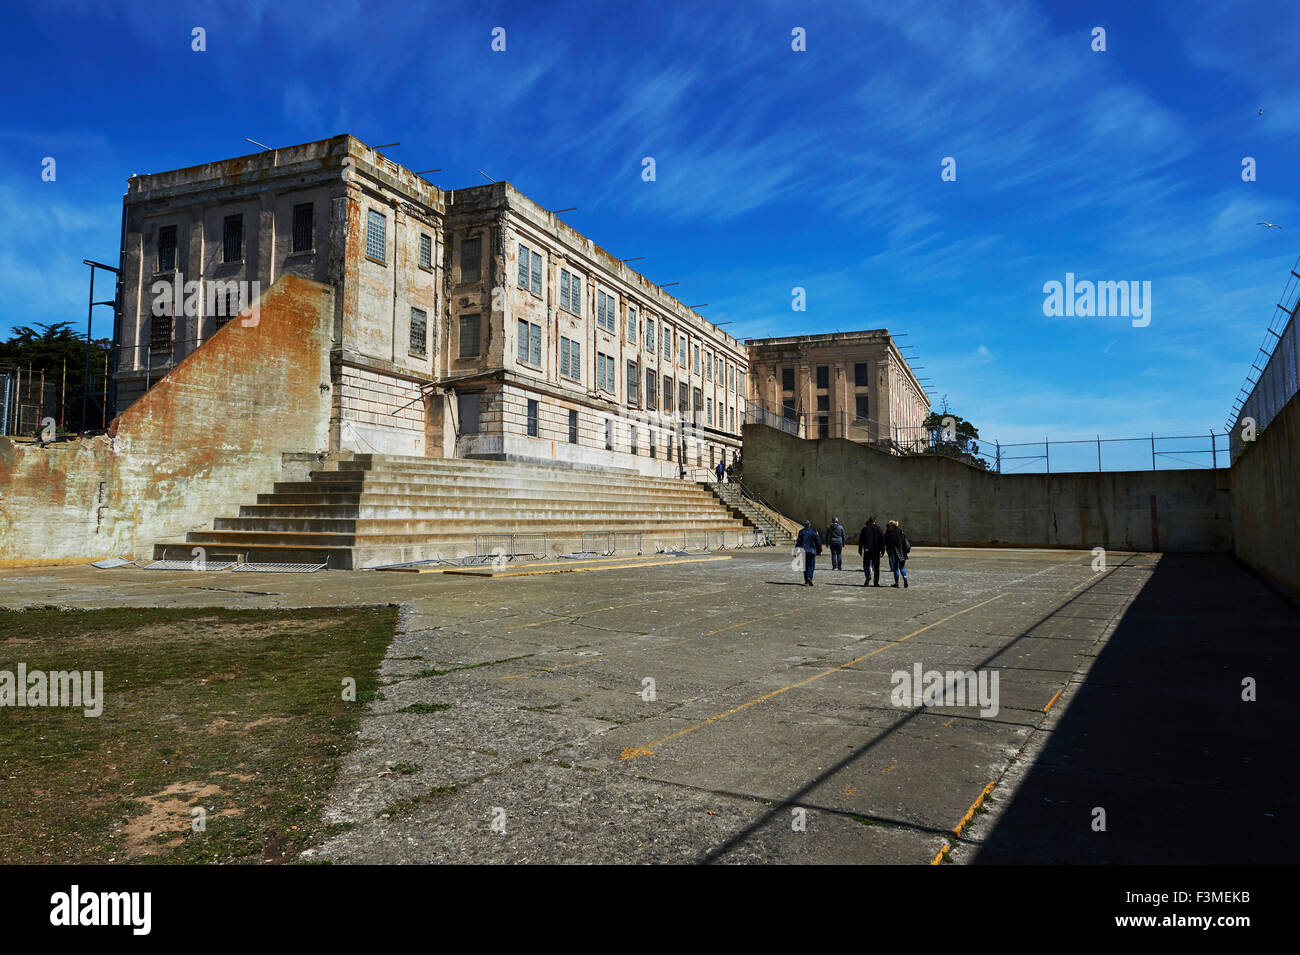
x: 1159, y: 737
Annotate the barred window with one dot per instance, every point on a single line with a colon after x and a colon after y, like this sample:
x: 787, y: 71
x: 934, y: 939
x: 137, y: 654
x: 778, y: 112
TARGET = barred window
x: 160, y: 332
x: 469, y: 336
x: 426, y: 250
x: 167, y: 248
x: 530, y: 270
x: 668, y: 343
x: 668, y: 394
x: 650, y: 335
x: 631, y: 438
x: 530, y: 342
x: 573, y: 427
x: 471, y: 254
x: 605, y: 373
x: 695, y: 360
x: 605, y: 306
x: 570, y: 292
x: 650, y: 396
x: 708, y: 366
x: 682, y: 357
x: 631, y: 324
x: 787, y: 379
x: 226, y: 303
x: 419, y: 332
x: 860, y: 374
x: 683, y: 399
x: 633, y: 378
x: 377, y: 236
x: 303, y: 227
x: 708, y: 412
x: 532, y: 418
x: 570, y: 359
x: 232, y: 239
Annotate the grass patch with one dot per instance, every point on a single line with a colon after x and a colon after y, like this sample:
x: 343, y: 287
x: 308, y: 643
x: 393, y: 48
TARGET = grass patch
x: 239, y: 712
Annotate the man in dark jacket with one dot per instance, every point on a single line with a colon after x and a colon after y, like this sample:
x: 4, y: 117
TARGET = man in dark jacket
x: 810, y: 543
x: 871, y: 544
x: 835, y: 539
x: 896, y: 546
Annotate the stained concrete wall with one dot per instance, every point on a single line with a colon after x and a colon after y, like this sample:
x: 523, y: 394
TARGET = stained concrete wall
x: 945, y: 502
x: 202, y: 441
x: 1266, y: 500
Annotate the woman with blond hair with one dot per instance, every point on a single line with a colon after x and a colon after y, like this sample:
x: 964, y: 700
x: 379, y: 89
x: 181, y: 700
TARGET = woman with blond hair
x: 896, y: 547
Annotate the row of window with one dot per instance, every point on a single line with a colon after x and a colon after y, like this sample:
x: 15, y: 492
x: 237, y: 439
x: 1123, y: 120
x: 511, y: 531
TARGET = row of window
x: 533, y: 425
x: 232, y: 237
x: 823, y: 373
x: 377, y: 242
x: 530, y: 280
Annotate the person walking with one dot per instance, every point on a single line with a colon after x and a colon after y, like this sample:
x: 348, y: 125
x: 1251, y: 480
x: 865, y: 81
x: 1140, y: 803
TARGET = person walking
x: 897, y: 547
x: 871, y: 544
x: 835, y: 539
x: 810, y: 543
x: 721, y: 471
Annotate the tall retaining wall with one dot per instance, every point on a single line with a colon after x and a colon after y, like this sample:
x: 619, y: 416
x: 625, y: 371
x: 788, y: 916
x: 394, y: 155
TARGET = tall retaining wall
x: 202, y: 441
x: 1266, y: 499
x: 941, y: 501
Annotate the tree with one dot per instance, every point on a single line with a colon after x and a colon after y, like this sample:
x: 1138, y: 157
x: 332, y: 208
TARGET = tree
x: 952, y: 435
x: 52, y: 349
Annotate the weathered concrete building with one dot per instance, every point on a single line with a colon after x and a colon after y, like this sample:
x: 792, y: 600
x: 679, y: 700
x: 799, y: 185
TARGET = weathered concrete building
x: 854, y: 385
x: 468, y: 323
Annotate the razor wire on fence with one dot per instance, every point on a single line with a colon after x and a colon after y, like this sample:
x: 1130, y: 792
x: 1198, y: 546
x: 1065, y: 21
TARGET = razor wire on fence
x: 1278, y: 379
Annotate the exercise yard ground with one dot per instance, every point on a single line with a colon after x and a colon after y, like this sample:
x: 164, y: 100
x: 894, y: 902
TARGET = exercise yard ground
x: 513, y: 722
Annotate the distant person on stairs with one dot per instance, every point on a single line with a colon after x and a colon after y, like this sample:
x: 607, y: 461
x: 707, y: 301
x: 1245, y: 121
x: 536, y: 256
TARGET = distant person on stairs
x: 721, y: 471
x: 810, y: 543
x: 835, y: 538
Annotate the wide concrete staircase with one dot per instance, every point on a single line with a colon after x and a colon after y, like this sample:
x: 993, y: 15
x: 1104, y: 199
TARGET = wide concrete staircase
x: 779, y: 529
x: 376, y: 510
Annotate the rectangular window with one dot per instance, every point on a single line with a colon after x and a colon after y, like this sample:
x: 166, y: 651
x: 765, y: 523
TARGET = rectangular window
x: 669, y: 443
x: 160, y: 332
x: 377, y: 237
x: 650, y: 335
x: 471, y: 255
x: 605, y: 373
x: 232, y: 239
x: 167, y: 248
x: 631, y: 438
x: 695, y: 360
x: 633, y: 378
x: 708, y: 366
x: 532, y: 418
x: 530, y: 343
x: 654, y: 450
x: 570, y: 359
x: 860, y: 375
x: 609, y: 434
x: 682, y: 357
x: 536, y: 277
x: 740, y: 383
x: 467, y: 412
x: 823, y: 402
x: 651, y: 396
x: 570, y: 292
x: 606, y: 306
x: 573, y: 427
x: 698, y: 406
x: 668, y: 395
x: 469, y: 332
x: 863, y: 406
x: 731, y: 420
x: 668, y: 343
x: 631, y: 324
x: 304, y: 228
x: 708, y: 412
x: 419, y: 332
x: 226, y: 305
x: 530, y: 270
x: 426, y: 250
x: 823, y: 376
x: 525, y: 256
x: 683, y: 399
x: 823, y: 427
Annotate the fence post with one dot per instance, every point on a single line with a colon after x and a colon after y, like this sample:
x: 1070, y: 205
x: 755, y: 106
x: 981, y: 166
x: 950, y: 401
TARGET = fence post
x: 1098, y: 454
x: 997, y: 445
x: 1214, y: 453
x: 1047, y: 455
x: 1153, y: 450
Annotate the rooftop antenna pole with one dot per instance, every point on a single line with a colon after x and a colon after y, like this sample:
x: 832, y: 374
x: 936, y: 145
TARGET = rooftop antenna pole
x: 256, y: 143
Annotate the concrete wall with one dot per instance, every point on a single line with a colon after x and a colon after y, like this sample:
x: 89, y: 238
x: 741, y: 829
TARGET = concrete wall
x: 206, y: 439
x: 1266, y: 500
x: 944, y: 502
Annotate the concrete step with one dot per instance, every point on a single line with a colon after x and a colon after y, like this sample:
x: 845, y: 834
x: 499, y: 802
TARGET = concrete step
x: 490, y: 481
x: 468, y: 521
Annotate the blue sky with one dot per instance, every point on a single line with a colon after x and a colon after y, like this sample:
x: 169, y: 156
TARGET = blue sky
x: 775, y: 168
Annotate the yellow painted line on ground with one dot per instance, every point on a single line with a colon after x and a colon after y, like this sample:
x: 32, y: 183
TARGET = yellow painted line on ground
x: 755, y: 620
x: 939, y: 857
x: 632, y: 752
x: 1053, y: 699
x: 571, y: 569
x: 956, y: 831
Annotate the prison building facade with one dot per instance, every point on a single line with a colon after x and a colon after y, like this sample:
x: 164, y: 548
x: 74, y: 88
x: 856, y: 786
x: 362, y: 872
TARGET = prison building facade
x: 854, y: 385
x: 468, y: 323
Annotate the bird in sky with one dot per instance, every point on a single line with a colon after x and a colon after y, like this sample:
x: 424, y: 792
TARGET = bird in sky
x: 1261, y: 111
x: 1269, y: 224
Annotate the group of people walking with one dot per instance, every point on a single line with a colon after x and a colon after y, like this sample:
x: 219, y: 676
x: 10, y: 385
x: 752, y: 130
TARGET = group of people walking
x: 873, y: 543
